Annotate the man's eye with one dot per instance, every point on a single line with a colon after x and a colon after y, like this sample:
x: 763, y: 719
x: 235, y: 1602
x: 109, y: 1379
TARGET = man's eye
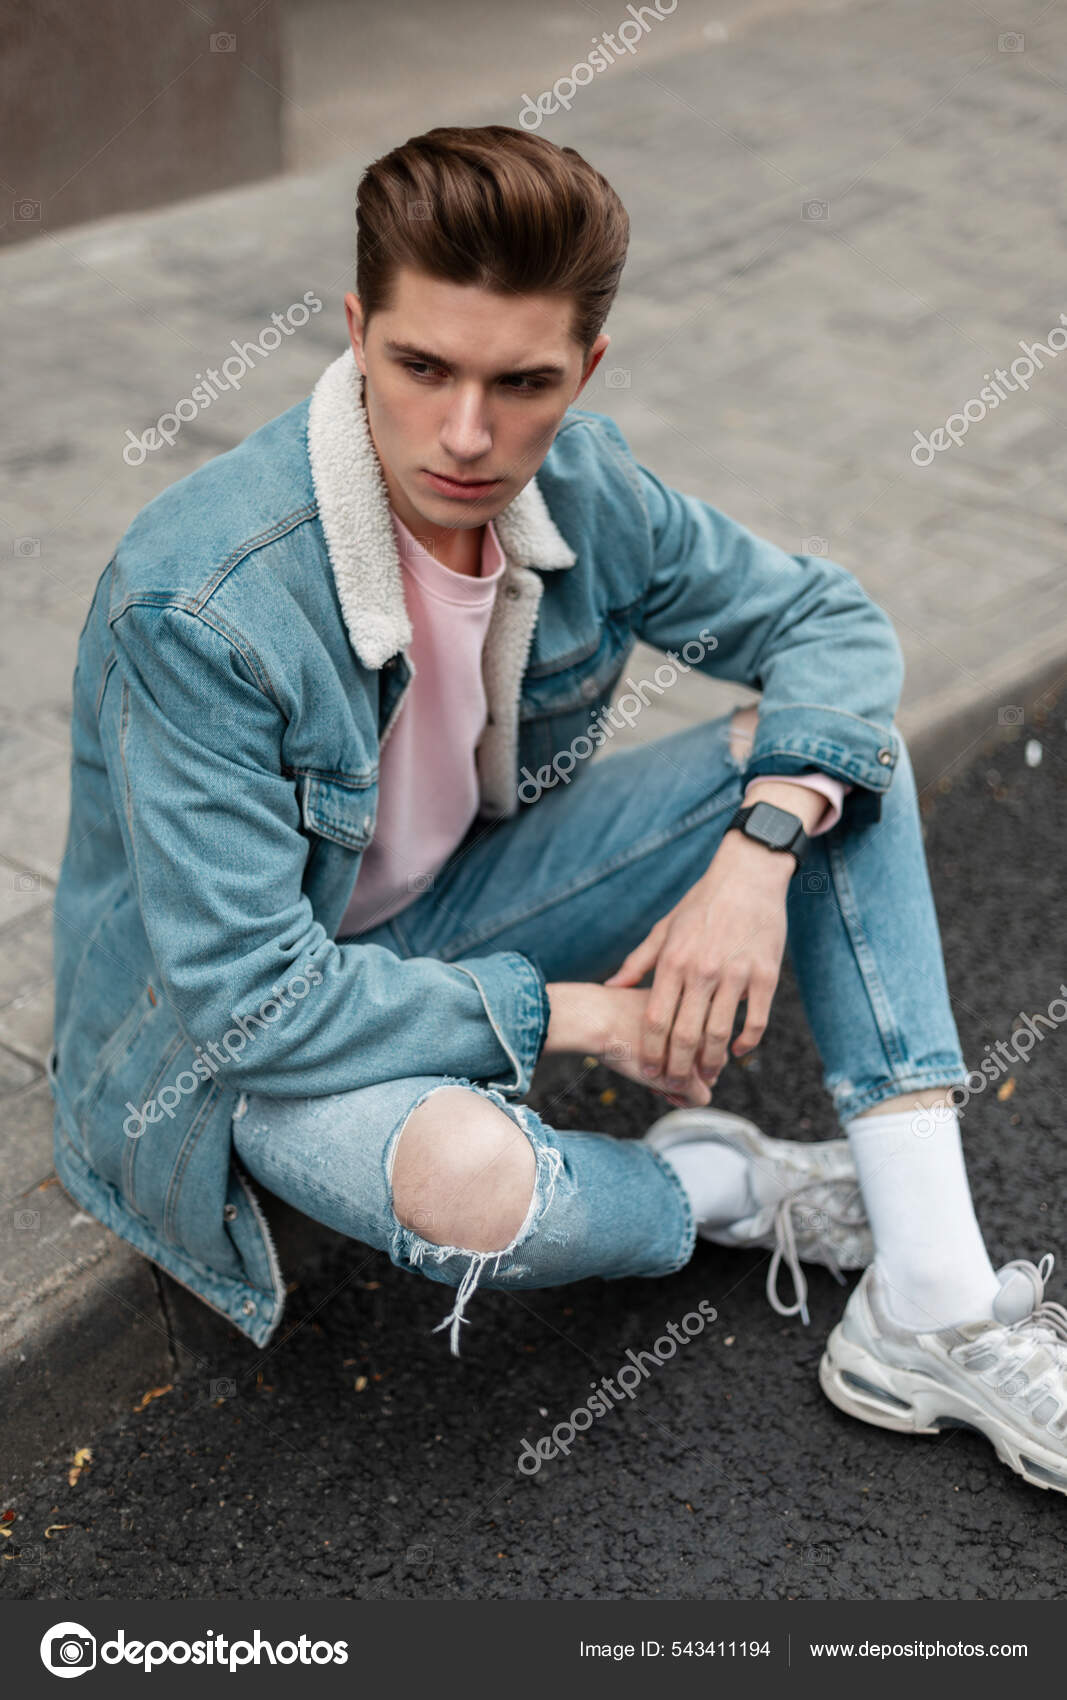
x: 519, y: 385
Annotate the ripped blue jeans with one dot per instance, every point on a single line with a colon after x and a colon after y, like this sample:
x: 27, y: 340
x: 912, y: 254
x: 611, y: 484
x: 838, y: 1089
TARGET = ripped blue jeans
x: 575, y: 883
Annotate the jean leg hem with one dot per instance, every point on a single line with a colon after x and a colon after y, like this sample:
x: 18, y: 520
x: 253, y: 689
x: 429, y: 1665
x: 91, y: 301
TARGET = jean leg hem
x: 689, y: 1227
x: 849, y: 1103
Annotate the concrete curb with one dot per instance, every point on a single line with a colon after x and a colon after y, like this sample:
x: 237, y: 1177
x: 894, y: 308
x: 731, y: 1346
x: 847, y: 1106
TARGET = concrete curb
x: 949, y: 731
x: 88, y: 1326
x: 91, y: 1327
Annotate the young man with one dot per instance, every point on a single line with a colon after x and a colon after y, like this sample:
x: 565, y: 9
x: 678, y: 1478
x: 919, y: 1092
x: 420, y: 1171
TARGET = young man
x: 338, y: 871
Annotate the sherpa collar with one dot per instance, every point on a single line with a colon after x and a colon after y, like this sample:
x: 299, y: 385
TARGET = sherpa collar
x: 354, y: 510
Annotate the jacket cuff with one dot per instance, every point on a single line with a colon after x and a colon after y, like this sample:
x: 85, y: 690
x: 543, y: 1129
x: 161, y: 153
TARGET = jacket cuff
x: 860, y: 752
x: 512, y: 989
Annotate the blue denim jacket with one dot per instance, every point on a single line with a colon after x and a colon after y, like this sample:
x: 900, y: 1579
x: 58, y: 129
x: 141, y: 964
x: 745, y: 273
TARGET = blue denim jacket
x: 240, y: 667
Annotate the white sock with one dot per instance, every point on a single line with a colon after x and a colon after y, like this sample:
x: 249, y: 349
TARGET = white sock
x: 715, y: 1179
x: 928, y: 1245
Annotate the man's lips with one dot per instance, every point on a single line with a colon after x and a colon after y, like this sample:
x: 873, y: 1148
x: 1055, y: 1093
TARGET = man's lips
x: 471, y: 485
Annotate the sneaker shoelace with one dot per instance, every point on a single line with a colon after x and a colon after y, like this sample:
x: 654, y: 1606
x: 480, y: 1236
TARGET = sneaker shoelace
x: 1048, y: 1316
x: 785, y: 1248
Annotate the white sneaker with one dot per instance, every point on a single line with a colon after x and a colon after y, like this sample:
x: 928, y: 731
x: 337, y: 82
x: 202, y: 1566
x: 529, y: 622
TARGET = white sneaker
x: 816, y: 1211
x: 1005, y: 1376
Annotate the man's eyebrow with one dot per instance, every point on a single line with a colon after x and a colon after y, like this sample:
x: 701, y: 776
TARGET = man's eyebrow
x: 548, y: 368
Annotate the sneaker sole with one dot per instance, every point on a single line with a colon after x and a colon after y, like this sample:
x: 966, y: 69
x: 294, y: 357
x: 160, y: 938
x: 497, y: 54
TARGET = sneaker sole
x: 861, y: 1385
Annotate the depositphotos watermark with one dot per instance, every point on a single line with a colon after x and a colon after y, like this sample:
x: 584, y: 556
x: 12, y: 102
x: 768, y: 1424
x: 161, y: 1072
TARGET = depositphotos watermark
x: 233, y: 1042
x: 629, y: 1378
x: 69, y: 1649
x: 991, y: 1068
x: 604, y: 725
x: 606, y: 49
x: 234, y: 367
x: 957, y: 425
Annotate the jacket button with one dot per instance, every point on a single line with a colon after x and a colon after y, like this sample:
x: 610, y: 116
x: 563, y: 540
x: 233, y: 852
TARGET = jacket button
x: 249, y: 1307
x: 885, y: 757
x: 229, y: 1212
x: 513, y: 590
x: 588, y: 688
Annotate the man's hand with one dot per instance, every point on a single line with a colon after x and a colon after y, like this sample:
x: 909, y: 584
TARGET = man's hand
x: 722, y: 943
x: 608, y: 1022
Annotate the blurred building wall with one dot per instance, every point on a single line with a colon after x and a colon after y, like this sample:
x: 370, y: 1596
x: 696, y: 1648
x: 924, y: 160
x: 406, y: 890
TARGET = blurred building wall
x: 111, y: 105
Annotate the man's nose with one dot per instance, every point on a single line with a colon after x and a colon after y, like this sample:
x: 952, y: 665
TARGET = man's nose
x: 465, y: 433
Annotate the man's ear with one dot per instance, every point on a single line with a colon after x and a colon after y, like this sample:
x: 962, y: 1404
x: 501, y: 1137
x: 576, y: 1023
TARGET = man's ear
x: 596, y: 355
x: 354, y: 315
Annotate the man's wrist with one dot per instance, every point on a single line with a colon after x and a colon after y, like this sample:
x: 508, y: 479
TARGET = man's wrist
x: 760, y: 859
x: 577, y: 1018
x: 809, y: 806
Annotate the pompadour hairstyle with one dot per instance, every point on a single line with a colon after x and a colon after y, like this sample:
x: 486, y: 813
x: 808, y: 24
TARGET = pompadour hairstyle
x: 497, y: 207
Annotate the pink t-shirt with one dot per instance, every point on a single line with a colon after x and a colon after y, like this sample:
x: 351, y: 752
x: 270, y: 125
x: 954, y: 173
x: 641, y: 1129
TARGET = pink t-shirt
x: 427, y: 779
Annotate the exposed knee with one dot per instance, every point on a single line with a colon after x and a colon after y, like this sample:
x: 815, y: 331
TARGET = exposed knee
x: 742, y: 731
x: 463, y: 1171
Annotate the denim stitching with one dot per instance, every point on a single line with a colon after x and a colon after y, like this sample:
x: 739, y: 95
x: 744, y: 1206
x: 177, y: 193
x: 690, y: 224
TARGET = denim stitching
x: 690, y: 1229
x: 848, y: 908
x: 918, y: 1080
x: 181, y: 1162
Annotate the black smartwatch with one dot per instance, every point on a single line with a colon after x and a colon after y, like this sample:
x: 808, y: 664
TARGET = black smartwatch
x: 774, y: 827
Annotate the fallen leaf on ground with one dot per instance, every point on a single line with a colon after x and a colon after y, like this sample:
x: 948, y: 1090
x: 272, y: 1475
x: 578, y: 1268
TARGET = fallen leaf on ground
x: 51, y: 1526
x: 1006, y: 1089
x: 154, y: 1393
x: 82, y: 1457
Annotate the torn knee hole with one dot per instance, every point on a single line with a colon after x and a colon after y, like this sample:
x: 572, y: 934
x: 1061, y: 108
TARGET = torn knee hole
x: 463, y: 1172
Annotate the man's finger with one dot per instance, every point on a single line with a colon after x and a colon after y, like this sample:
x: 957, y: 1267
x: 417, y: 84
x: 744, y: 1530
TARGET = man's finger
x: 659, y: 1019
x: 719, y: 1026
x: 637, y: 964
x: 687, y: 1034
x: 757, y: 1014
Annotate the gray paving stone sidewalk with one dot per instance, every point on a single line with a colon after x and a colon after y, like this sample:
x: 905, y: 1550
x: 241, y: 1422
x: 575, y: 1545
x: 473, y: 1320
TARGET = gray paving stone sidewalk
x: 844, y: 218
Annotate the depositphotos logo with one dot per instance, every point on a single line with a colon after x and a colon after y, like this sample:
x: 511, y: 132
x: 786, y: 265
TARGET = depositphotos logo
x: 68, y: 1649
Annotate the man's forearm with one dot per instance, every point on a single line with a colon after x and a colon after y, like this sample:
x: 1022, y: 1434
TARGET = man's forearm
x: 578, y: 1016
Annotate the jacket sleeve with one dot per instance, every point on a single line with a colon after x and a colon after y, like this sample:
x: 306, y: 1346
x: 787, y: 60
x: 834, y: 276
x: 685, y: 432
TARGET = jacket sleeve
x: 798, y: 628
x: 212, y: 830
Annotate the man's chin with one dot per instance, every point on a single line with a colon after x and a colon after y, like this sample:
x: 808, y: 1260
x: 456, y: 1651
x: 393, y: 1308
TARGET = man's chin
x: 456, y: 514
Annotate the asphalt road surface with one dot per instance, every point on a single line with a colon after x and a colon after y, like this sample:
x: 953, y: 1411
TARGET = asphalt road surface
x: 356, y: 1458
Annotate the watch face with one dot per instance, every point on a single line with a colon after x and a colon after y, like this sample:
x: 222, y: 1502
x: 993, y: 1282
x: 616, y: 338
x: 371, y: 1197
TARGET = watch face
x: 772, y: 826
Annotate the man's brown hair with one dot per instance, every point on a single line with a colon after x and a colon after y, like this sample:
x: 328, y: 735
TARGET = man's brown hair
x: 497, y: 207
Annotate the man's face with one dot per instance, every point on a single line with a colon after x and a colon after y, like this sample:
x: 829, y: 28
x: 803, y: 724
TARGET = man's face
x: 465, y: 390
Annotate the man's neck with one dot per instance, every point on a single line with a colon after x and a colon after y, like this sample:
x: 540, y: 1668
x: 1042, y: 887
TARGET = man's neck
x: 460, y: 551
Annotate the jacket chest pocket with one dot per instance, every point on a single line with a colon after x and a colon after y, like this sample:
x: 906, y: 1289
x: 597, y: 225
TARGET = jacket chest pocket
x: 569, y: 683
x: 342, y: 810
